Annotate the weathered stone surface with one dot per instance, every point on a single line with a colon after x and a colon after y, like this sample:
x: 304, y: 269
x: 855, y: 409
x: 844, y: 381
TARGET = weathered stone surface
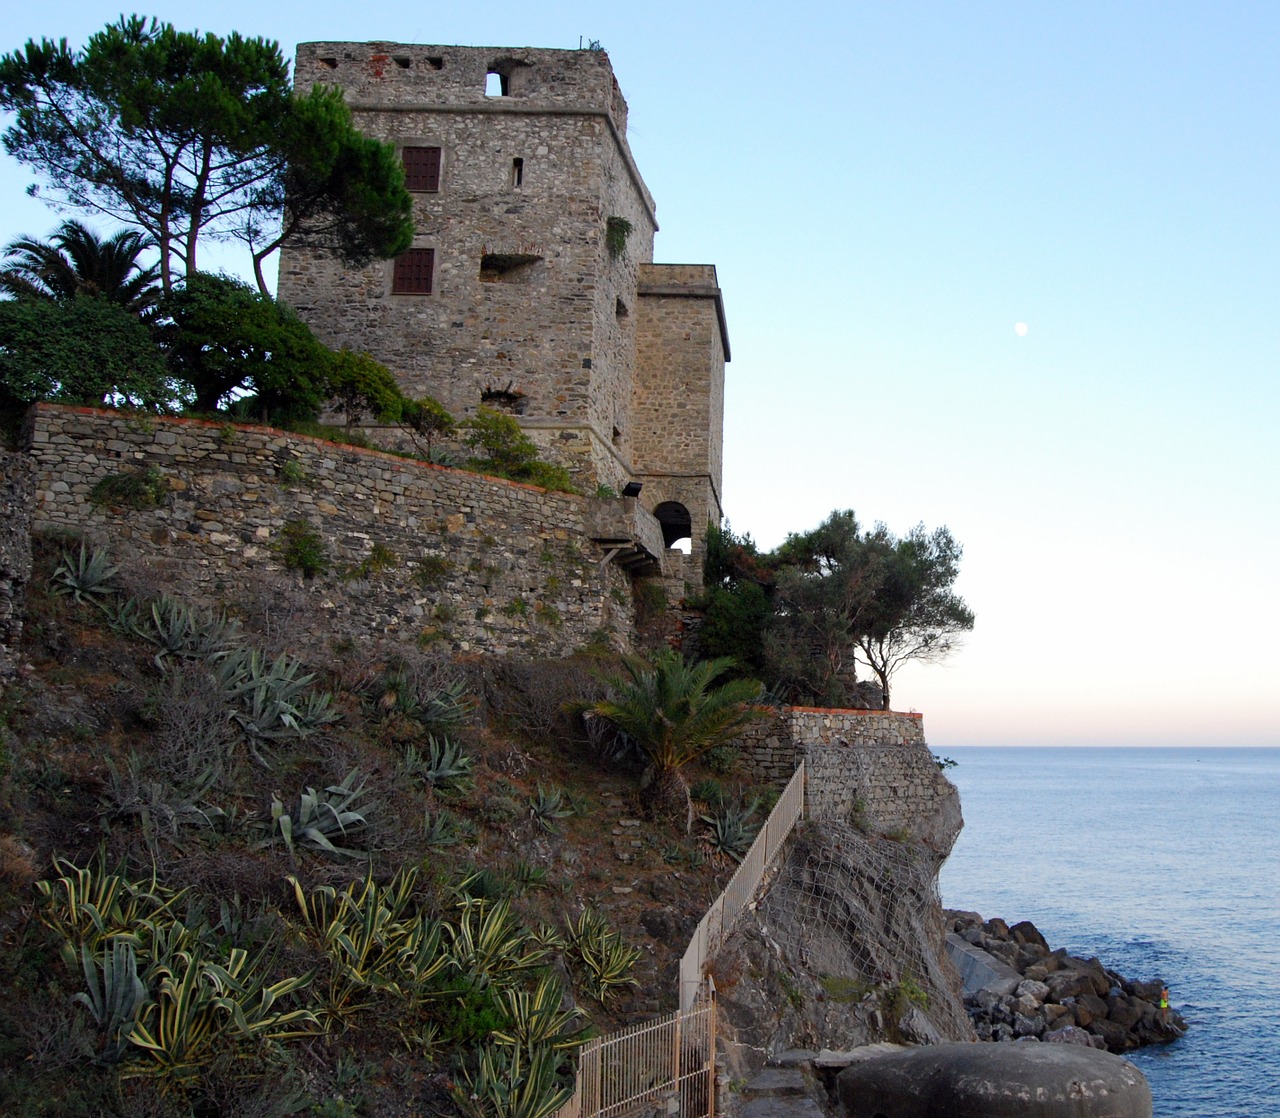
x: 476, y: 564
x: 774, y: 1081
x: 17, y: 488
x: 995, y: 1081
x: 871, y: 766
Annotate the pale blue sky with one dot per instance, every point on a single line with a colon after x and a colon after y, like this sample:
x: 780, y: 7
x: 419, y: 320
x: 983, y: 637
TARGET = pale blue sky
x: 886, y: 189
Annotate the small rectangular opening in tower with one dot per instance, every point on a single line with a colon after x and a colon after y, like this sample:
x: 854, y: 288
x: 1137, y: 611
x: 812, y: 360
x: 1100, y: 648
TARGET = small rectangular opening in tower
x: 435, y: 63
x: 495, y: 84
x: 517, y: 172
x: 402, y: 61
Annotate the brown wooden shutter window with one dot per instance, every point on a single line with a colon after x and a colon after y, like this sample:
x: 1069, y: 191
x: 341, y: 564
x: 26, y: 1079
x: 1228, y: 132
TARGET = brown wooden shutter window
x: 422, y: 169
x: 413, y: 271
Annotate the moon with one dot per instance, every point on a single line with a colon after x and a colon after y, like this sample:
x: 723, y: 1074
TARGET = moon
x: 1020, y: 328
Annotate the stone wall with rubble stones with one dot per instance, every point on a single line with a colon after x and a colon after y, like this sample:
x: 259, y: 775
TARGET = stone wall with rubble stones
x: 556, y: 328
x: 871, y: 765
x: 679, y: 392
x: 17, y: 487
x: 419, y: 553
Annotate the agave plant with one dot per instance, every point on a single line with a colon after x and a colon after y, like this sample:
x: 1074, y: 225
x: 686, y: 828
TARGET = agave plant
x: 273, y: 699
x: 602, y: 959
x: 378, y: 945
x: 490, y: 947
x: 184, y: 632
x: 441, y: 828
x: 511, y: 1083
x: 446, y: 766
x: 536, y: 1018
x: 322, y: 817
x: 730, y: 831
x: 90, y: 905
x: 114, y: 993
x: 547, y: 806
x: 441, y: 707
x: 87, y: 576
x: 203, y: 1007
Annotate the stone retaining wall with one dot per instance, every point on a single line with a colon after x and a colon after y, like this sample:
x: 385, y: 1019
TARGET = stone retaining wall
x: 414, y: 551
x: 872, y: 766
x: 16, y: 490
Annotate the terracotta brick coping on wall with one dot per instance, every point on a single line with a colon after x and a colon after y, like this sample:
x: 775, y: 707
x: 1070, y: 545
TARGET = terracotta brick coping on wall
x: 395, y: 461
x: 855, y: 710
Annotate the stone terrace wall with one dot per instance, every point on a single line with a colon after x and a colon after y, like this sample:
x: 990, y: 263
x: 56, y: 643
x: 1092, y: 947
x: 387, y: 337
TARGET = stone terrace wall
x: 871, y: 765
x: 480, y: 564
x: 16, y: 489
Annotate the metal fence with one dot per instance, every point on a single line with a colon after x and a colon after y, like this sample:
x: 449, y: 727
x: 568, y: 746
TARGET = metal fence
x: 719, y: 919
x: 654, y: 1063
x: 672, y: 1059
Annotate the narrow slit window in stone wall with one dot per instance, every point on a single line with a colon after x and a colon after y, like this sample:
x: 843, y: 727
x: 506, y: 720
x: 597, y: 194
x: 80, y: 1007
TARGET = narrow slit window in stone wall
x: 422, y: 169
x: 517, y: 172
x: 413, y: 272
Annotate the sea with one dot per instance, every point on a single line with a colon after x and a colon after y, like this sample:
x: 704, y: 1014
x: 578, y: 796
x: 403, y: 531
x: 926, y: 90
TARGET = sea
x: 1163, y: 863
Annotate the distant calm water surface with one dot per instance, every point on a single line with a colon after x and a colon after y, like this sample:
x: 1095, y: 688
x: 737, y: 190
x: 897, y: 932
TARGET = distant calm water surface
x: 1164, y: 863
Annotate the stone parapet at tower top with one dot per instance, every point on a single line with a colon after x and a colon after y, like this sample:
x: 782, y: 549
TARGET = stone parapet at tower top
x: 529, y: 286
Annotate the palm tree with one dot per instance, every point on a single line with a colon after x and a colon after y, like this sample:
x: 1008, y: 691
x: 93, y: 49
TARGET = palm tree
x: 671, y: 710
x: 76, y: 261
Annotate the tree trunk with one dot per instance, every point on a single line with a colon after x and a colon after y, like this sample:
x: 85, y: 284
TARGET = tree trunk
x: 664, y: 796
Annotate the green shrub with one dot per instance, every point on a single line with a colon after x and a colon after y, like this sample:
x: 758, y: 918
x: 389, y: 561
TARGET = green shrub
x: 301, y: 548
x: 130, y: 490
x: 616, y: 231
x: 293, y: 473
x: 432, y: 571
x: 380, y: 558
x: 506, y: 451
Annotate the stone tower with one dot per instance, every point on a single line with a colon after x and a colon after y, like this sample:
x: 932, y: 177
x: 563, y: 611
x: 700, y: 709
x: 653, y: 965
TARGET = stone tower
x: 529, y: 287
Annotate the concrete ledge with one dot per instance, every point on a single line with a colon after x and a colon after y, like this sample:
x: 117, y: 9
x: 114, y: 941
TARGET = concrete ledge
x: 980, y: 970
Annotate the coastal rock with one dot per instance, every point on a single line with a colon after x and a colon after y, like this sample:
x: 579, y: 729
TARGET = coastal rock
x: 1016, y: 988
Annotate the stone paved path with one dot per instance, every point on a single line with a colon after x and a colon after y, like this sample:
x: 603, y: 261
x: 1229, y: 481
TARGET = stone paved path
x: 779, y: 1093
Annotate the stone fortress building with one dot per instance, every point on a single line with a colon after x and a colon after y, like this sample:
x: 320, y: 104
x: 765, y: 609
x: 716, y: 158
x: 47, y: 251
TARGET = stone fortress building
x: 530, y: 286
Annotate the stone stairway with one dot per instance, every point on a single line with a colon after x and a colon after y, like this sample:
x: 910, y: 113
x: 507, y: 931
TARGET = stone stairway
x: 779, y: 1092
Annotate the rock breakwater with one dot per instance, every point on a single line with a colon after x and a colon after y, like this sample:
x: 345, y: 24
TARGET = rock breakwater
x: 1018, y: 988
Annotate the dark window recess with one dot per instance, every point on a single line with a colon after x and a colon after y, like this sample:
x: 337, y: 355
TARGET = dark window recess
x: 517, y: 172
x: 413, y: 272
x: 435, y: 63
x: 506, y: 266
x: 422, y: 169
x: 620, y: 309
x: 509, y: 399
x: 328, y: 63
x: 402, y: 62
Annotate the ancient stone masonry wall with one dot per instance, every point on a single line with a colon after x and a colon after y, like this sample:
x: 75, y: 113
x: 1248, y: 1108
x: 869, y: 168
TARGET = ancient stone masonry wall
x: 869, y: 766
x: 525, y: 295
x: 416, y: 552
x: 16, y: 489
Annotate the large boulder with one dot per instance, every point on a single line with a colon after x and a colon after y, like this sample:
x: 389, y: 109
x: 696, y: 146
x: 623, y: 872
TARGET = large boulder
x: 994, y: 1081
